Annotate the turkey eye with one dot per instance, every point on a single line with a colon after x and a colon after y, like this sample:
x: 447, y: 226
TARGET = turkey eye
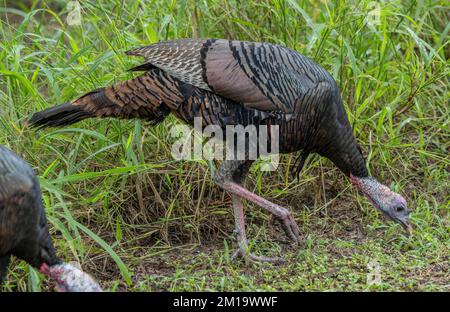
x: 399, y: 209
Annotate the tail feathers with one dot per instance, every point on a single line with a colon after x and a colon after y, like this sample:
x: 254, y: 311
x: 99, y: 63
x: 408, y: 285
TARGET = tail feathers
x: 151, y: 96
x: 58, y: 116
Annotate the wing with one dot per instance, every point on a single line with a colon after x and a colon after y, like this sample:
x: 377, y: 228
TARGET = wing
x: 262, y: 76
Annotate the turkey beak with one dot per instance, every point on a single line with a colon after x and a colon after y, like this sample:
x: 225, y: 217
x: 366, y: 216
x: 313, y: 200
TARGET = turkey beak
x: 407, y: 226
x: 409, y: 229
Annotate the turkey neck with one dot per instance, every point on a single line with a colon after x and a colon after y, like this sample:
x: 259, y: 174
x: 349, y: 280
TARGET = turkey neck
x: 37, y: 247
x: 335, y: 140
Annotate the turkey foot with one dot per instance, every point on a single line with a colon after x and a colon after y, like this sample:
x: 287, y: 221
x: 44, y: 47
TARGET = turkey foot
x: 280, y: 213
x: 242, y: 250
x: 289, y: 226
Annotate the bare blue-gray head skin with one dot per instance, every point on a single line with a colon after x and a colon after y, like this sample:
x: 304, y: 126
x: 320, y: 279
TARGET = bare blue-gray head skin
x: 390, y: 203
x: 69, y: 278
x: 24, y: 228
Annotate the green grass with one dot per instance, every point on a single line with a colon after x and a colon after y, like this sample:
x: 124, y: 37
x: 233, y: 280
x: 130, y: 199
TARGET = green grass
x: 138, y: 220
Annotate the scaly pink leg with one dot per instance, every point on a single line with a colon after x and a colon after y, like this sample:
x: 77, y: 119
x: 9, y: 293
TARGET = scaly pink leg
x: 287, y: 222
x: 230, y: 177
x: 242, y: 250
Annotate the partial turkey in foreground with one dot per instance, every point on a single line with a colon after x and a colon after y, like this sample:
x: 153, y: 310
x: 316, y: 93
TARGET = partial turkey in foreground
x: 24, y: 229
x: 239, y: 83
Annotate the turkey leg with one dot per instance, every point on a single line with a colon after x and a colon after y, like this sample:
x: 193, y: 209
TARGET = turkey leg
x: 230, y: 177
x: 242, y: 250
x: 280, y: 213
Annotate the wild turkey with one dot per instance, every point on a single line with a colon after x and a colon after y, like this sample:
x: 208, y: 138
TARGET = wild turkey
x: 24, y: 230
x: 239, y: 83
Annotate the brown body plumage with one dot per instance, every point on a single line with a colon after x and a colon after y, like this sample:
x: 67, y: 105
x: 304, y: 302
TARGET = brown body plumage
x: 229, y: 82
